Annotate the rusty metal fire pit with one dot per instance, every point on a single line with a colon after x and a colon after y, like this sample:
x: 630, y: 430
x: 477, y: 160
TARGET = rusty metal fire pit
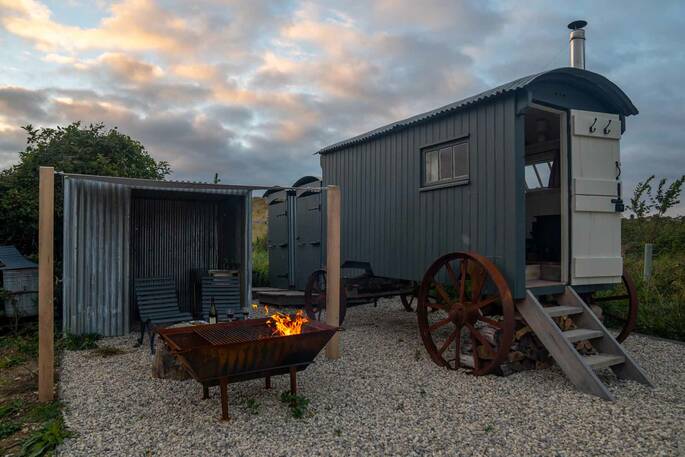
x: 219, y: 354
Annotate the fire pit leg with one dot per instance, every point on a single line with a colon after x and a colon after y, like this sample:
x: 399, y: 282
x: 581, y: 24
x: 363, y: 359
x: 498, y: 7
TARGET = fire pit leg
x: 223, y: 386
x: 267, y: 382
x: 205, y: 392
x: 293, y: 380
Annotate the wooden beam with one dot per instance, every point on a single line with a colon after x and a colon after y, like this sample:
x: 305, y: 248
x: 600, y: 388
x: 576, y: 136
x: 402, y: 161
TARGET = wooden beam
x: 46, y: 350
x: 333, y: 268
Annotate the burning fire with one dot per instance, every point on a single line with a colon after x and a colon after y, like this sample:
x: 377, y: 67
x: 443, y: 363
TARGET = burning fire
x: 284, y: 324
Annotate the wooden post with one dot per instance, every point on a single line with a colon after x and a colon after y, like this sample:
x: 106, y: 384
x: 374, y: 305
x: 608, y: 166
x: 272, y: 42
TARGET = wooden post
x: 649, y: 253
x: 333, y: 268
x: 46, y: 350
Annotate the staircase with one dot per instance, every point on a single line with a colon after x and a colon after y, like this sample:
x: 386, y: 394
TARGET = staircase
x: 580, y: 369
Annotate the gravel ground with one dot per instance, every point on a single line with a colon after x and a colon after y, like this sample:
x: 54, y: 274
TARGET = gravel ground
x: 383, y: 397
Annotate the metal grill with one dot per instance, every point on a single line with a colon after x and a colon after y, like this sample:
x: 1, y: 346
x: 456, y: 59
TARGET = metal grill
x: 221, y: 334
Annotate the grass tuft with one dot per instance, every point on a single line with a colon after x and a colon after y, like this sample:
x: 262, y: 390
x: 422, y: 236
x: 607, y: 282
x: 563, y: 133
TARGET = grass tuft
x: 298, y: 404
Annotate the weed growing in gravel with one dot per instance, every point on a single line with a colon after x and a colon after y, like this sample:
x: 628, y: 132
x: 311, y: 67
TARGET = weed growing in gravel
x: 417, y: 355
x: 80, y: 342
x: 298, y: 403
x: 338, y: 432
x: 253, y: 405
x: 489, y: 428
x: 46, y: 439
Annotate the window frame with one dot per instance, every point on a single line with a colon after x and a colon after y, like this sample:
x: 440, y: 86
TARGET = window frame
x: 461, y: 180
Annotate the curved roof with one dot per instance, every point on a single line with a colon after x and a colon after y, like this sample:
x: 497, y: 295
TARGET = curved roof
x: 582, y: 79
x: 305, y: 180
x: 272, y: 190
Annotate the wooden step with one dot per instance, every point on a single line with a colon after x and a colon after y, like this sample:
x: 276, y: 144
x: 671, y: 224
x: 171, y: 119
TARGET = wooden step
x: 599, y: 361
x: 556, y: 311
x: 580, y: 334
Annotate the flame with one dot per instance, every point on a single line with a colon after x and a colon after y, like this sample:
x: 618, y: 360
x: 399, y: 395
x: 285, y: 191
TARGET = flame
x: 287, y: 324
x: 284, y: 324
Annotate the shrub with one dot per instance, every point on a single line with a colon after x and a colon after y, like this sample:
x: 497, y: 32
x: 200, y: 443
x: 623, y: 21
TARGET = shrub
x: 80, y: 342
x: 260, y: 263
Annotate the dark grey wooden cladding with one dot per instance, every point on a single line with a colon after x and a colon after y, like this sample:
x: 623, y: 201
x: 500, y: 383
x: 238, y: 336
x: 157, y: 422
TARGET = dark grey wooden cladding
x: 179, y: 236
x: 388, y: 221
x: 277, y: 239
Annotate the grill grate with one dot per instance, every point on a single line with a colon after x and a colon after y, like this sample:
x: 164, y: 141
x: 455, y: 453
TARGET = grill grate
x: 218, y: 335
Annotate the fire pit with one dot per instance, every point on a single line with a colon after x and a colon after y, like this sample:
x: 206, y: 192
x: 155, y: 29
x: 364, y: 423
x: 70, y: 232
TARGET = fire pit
x: 219, y: 354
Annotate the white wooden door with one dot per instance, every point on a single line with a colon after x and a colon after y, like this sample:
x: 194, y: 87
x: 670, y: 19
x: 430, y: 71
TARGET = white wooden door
x: 595, y: 224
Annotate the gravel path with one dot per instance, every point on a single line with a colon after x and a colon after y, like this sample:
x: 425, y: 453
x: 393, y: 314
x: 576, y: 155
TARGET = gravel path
x: 384, y: 397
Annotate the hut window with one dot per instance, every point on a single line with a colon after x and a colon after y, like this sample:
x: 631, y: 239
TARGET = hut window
x: 446, y: 163
x: 538, y: 175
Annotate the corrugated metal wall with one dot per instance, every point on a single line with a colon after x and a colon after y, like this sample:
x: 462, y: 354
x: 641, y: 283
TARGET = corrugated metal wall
x: 401, y: 230
x: 179, y: 237
x: 96, y: 251
x: 97, y: 244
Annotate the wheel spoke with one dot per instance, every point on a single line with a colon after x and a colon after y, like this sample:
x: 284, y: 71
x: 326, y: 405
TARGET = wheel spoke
x: 449, y: 340
x: 487, y: 301
x: 477, y: 283
x: 440, y: 323
x: 462, y: 285
x: 441, y: 291
x: 476, y: 334
x: 452, y: 275
x: 489, y: 321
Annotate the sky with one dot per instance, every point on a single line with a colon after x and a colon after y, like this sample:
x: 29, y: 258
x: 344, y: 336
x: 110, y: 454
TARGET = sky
x: 252, y: 89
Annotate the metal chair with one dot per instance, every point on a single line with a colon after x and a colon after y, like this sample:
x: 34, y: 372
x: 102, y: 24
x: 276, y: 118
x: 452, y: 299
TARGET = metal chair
x: 157, y: 306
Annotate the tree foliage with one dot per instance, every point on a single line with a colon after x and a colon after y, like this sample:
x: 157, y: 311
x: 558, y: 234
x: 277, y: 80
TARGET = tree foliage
x: 644, y: 201
x: 71, y: 149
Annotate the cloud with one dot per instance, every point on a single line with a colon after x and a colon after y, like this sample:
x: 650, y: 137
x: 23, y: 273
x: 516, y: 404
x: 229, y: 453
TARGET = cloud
x: 252, y: 88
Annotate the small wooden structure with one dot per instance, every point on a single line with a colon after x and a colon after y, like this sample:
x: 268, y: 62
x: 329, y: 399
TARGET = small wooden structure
x: 20, y: 281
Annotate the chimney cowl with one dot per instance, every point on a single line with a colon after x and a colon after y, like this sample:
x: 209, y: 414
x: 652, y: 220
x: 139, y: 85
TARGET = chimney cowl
x: 577, y: 44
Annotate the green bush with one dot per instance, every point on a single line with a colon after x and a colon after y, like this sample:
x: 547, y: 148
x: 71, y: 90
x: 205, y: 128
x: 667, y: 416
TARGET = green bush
x: 260, y: 263
x: 80, y: 342
x: 46, y: 439
x: 662, y: 297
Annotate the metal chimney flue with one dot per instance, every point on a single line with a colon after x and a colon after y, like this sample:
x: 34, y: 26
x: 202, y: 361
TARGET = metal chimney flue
x: 577, y: 44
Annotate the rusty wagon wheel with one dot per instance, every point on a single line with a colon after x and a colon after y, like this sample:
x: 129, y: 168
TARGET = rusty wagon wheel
x: 620, y: 304
x: 465, y: 301
x: 315, y: 297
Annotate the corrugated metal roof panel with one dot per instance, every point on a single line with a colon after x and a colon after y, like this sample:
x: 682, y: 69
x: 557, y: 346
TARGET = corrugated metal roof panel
x: 11, y: 259
x: 569, y: 75
x: 178, y: 186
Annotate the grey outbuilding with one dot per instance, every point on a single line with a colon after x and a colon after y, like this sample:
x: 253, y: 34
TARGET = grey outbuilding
x: 117, y: 230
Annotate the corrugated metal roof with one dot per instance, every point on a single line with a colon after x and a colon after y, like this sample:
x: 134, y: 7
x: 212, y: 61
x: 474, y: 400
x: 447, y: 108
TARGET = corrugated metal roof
x: 572, y: 76
x: 11, y: 259
x: 179, y: 186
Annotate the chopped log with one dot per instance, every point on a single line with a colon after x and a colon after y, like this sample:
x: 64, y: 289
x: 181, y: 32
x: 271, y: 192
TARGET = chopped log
x: 165, y: 366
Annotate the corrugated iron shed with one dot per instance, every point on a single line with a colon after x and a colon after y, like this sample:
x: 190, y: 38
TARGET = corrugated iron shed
x: 99, y: 257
